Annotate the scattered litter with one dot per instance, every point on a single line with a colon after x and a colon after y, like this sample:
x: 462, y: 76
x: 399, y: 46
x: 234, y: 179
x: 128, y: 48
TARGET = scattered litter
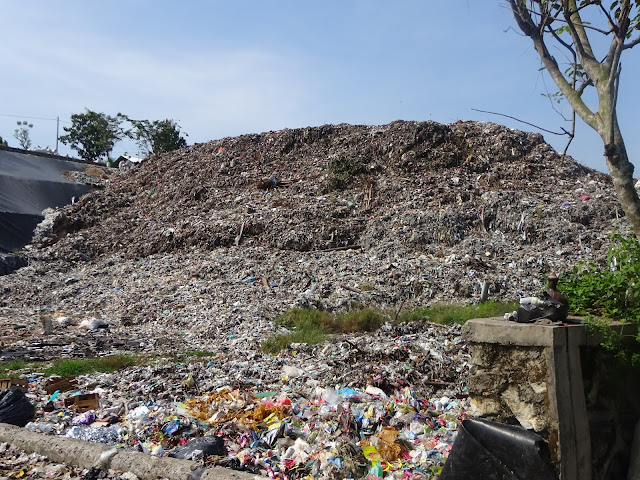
x: 162, y: 261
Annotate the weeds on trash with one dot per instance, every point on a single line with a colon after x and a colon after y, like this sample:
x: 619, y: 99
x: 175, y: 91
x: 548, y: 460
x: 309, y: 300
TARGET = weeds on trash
x: 68, y: 367
x: 446, y: 314
x: 312, y: 326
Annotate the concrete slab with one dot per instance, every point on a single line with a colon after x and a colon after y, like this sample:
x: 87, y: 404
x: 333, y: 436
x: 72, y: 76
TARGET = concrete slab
x: 86, y: 455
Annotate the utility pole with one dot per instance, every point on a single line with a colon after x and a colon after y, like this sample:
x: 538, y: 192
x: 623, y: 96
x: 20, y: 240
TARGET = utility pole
x: 57, y: 132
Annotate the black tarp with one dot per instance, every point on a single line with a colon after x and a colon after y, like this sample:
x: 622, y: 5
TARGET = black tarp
x: 494, y: 451
x: 30, y: 183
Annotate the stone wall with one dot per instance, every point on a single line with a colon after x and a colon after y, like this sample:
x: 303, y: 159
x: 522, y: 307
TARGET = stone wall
x: 510, y: 384
x: 557, y: 381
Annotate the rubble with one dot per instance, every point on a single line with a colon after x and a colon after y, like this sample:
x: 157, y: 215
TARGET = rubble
x: 200, y: 249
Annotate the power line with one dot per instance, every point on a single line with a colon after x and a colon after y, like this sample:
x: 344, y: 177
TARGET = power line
x: 31, y: 118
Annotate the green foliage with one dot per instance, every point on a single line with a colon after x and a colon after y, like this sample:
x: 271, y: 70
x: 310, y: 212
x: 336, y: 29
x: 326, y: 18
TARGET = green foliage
x: 364, y: 320
x: 342, y: 170
x: 315, y: 326
x: 608, y: 292
x: 367, y: 287
x: 93, y: 135
x: 72, y: 367
x: 7, y: 368
x: 615, y: 7
x: 200, y: 353
x: 611, y: 290
x: 3, y: 142
x: 447, y: 314
x: 22, y: 134
x: 158, y: 136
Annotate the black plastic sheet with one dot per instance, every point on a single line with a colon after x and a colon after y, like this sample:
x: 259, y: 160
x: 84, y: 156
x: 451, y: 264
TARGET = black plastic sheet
x: 29, y: 184
x: 490, y: 450
x: 15, y: 407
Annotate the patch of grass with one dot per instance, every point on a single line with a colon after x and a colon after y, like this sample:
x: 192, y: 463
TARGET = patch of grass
x: 69, y: 367
x: 11, y: 365
x: 113, y: 363
x: 200, y: 354
x: 303, y: 318
x: 309, y: 326
x: 310, y: 336
x: 446, y: 314
x: 420, y: 314
x: 367, y: 287
x: 314, y: 326
x: 365, y: 320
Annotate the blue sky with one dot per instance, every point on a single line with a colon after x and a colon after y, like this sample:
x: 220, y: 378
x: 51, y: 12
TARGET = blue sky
x: 243, y: 66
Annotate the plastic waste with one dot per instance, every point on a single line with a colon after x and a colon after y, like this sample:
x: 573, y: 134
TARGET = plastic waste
x: 92, y: 323
x: 95, y: 473
x: 485, y: 449
x: 199, y: 447
x: 95, y: 434
x: 64, y: 321
x: 376, y: 470
x: 15, y: 407
x: 292, y: 372
x: 39, y: 427
x: 532, y: 308
x: 11, y: 263
x: 85, y: 418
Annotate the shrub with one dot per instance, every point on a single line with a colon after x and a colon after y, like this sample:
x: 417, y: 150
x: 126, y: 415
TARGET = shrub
x: 341, y: 171
x: 610, y: 291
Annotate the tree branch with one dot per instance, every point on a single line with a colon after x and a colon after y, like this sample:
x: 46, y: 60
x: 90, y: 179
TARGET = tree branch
x: 580, y: 90
x: 616, y: 84
x: 562, y: 42
x: 571, y: 134
x: 564, y: 132
x: 528, y: 27
x: 631, y: 44
x: 580, y: 39
x: 612, y: 24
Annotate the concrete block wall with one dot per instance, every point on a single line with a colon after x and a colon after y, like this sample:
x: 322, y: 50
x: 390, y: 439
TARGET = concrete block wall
x: 556, y: 381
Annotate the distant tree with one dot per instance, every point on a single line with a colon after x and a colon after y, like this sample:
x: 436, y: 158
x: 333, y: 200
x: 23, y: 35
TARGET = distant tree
x: 22, y: 134
x: 158, y: 136
x: 3, y: 142
x: 93, y: 135
x: 573, y: 27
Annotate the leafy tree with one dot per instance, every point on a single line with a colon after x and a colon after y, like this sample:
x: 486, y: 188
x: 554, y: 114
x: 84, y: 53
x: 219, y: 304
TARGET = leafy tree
x: 22, y: 134
x: 158, y: 136
x: 93, y: 135
x: 3, y: 142
x: 577, y: 28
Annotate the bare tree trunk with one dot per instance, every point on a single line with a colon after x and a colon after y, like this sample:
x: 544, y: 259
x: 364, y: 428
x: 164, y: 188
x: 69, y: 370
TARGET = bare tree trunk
x: 621, y: 171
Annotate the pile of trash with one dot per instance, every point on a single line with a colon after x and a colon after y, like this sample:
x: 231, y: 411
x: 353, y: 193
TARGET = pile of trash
x: 241, y: 229
x: 390, y: 400
x: 189, y: 257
